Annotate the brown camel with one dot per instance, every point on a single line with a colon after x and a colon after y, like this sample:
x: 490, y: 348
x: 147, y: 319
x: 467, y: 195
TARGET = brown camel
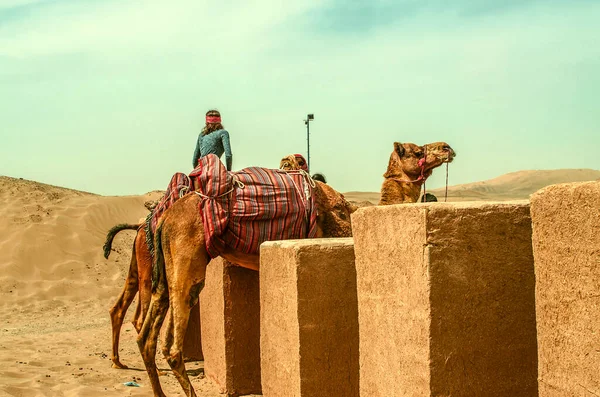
x: 409, y: 166
x: 180, y: 269
x: 139, y: 279
x: 140, y: 269
x: 139, y: 276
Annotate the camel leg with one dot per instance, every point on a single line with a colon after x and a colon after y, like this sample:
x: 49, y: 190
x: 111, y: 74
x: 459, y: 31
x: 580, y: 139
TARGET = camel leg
x: 138, y: 319
x: 148, y: 335
x: 180, y: 307
x: 144, y: 267
x: 185, y: 269
x: 180, y: 265
x: 168, y: 334
x: 145, y: 294
x: 118, y: 311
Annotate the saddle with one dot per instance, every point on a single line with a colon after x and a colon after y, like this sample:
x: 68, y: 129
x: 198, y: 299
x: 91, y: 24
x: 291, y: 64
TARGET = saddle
x: 243, y: 209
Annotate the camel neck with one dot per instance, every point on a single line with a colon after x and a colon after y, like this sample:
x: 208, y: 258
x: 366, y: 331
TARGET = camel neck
x: 396, y: 190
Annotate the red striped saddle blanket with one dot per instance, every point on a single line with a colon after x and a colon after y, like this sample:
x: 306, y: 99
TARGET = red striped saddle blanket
x: 179, y: 186
x: 243, y: 209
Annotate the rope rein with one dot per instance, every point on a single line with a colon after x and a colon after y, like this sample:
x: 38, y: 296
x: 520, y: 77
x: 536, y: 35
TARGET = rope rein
x: 446, y: 195
x: 423, y: 170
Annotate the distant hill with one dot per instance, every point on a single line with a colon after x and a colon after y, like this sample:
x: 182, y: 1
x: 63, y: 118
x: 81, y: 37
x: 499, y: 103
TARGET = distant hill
x: 513, y: 186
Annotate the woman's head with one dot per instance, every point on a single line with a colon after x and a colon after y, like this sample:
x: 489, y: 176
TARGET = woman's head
x: 213, y: 122
x: 319, y: 177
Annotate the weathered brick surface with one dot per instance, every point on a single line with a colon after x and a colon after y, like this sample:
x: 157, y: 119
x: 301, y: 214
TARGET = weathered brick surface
x: 192, y: 343
x: 229, y: 308
x: 309, y: 323
x: 446, y: 300
x: 566, y: 244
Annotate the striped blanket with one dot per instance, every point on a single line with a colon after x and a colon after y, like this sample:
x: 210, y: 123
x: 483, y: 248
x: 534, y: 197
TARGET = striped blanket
x: 243, y: 209
x: 179, y: 185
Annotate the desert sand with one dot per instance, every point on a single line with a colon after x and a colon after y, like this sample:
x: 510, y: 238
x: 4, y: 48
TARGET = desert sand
x: 56, y: 288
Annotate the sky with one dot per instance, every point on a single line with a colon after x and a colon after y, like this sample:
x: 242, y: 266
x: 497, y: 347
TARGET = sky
x: 109, y: 96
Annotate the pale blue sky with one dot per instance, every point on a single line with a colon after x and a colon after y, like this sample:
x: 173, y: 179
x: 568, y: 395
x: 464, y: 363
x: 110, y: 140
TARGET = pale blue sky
x: 109, y: 96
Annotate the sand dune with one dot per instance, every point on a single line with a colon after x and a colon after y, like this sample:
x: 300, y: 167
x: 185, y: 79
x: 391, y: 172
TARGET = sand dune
x: 56, y: 288
x: 516, y: 185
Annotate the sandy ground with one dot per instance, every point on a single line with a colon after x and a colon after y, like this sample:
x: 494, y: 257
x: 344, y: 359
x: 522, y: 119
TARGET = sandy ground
x: 55, y: 292
x: 56, y: 287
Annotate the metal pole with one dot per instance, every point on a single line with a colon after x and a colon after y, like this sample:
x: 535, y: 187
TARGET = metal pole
x: 308, y: 142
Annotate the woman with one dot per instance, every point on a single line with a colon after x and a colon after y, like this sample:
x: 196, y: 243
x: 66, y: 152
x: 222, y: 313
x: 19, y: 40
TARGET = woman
x: 213, y: 139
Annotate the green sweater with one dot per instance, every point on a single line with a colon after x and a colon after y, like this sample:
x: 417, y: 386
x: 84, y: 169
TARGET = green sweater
x: 216, y: 142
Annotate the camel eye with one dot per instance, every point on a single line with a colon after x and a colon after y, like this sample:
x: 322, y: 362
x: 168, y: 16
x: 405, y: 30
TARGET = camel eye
x: 419, y: 154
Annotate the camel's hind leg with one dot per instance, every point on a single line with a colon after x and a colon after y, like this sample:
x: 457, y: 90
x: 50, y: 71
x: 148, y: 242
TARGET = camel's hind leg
x: 180, y: 306
x: 118, y: 311
x: 185, y: 267
x: 168, y: 334
x: 144, y: 268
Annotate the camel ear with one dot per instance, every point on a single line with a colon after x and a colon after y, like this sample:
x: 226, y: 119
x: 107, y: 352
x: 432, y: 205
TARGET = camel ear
x: 398, y: 148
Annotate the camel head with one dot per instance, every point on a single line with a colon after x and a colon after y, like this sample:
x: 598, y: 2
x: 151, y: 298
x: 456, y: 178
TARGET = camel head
x: 408, y: 168
x: 438, y: 153
x: 289, y: 163
x: 407, y: 159
x: 293, y: 162
x: 333, y: 211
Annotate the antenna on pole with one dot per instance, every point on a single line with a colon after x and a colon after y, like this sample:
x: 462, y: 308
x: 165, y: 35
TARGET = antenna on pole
x: 309, y: 118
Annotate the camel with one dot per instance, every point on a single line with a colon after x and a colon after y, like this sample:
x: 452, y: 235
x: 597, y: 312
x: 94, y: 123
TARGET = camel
x: 180, y: 269
x: 408, y: 168
x: 140, y: 269
x: 138, y: 280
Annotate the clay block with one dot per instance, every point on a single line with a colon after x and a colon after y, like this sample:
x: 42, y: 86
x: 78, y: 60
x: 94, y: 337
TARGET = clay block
x: 566, y: 246
x: 309, y: 318
x: 229, y: 311
x: 192, y: 343
x: 446, y: 300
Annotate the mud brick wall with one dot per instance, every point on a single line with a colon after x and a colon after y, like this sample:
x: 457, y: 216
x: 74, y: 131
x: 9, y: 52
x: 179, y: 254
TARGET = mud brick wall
x: 192, y: 343
x: 229, y: 311
x: 566, y: 246
x: 446, y: 300
x: 309, y: 319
